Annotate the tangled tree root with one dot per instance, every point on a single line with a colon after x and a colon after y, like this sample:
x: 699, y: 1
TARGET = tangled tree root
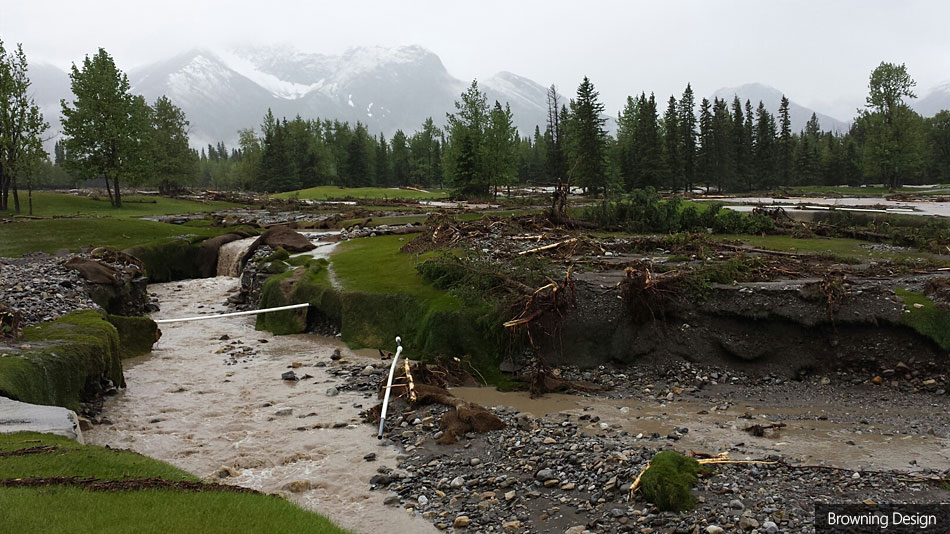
x: 420, y: 385
x: 646, y: 293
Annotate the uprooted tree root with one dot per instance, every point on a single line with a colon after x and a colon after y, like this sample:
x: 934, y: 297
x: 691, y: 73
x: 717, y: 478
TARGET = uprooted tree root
x: 646, y: 293
x: 420, y: 385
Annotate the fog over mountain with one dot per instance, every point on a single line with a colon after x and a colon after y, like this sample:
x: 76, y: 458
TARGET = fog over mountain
x: 223, y: 91
x: 771, y: 98
x: 933, y: 101
x: 384, y: 88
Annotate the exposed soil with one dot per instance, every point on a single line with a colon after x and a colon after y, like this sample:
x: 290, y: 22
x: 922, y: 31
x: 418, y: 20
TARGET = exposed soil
x: 129, y: 484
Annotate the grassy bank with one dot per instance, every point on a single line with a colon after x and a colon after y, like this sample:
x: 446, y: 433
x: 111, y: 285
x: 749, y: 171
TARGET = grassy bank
x: 60, y: 362
x: 19, y: 238
x: 61, y: 508
x: 65, y: 205
x: 332, y: 192
x: 379, y: 295
x: 924, y: 317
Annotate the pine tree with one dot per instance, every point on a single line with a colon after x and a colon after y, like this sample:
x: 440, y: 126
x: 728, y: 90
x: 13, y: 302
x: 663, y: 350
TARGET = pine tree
x: 384, y: 173
x: 626, y: 151
x: 687, y: 123
x: 400, y: 159
x: 465, y: 156
x: 764, y: 147
x: 785, y: 147
x: 671, y: 141
x: 706, y: 152
x: 555, y: 158
x: 588, y: 139
x: 500, y: 148
x: 172, y: 161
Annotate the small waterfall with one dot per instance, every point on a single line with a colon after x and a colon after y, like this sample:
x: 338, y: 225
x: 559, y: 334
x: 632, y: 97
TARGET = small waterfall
x: 230, y: 256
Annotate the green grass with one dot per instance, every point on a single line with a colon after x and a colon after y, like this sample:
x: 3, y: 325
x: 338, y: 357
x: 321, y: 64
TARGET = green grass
x: 376, y: 265
x: 835, y: 247
x: 64, y: 205
x: 74, y: 510
x: 331, y: 192
x: 74, y: 460
x: 20, y: 238
x: 928, y: 320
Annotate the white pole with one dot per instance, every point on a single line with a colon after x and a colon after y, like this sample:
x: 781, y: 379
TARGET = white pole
x: 389, y: 386
x: 233, y: 314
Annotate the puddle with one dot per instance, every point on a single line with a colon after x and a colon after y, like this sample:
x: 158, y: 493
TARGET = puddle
x: 185, y: 405
x: 805, y: 439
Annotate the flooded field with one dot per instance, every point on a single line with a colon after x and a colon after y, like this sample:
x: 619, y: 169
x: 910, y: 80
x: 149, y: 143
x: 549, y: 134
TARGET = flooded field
x: 859, y: 204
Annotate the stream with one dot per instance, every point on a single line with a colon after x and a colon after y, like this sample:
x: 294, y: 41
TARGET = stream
x: 209, y: 399
x: 191, y: 404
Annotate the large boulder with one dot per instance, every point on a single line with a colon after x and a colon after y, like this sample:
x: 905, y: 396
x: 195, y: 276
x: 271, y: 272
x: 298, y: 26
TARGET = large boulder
x: 94, y: 271
x: 286, y: 238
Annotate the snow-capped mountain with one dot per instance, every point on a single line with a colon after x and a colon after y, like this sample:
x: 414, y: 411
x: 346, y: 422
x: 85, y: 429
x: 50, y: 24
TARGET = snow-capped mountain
x: 384, y: 88
x: 772, y: 99
x: 936, y: 100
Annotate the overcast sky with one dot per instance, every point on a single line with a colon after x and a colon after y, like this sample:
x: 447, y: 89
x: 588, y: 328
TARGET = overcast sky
x: 819, y: 53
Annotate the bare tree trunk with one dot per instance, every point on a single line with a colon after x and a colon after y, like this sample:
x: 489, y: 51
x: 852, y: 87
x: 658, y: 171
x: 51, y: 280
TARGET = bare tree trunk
x: 109, y: 190
x: 118, y: 197
x: 29, y: 189
x: 16, y: 197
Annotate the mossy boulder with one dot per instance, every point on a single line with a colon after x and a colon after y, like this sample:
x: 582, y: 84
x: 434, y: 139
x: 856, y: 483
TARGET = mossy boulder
x: 62, y: 362
x: 136, y: 334
x: 177, y: 259
x: 308, y: 283
x: 668, y: 481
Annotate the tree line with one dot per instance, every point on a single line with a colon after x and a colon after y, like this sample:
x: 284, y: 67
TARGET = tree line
x: 117, y: 138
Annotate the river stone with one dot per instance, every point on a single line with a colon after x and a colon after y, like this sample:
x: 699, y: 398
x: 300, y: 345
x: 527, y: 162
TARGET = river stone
x: 748, y: 523
x: 770, y: 527
x: 544, y: 475
x: 462, y: 521
x: 714, y: 529
x: 18, y: 416
x: 286, y: 238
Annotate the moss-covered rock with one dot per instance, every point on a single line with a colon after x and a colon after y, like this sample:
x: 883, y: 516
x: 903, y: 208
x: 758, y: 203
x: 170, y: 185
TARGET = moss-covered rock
x: 668, y: 481
x: 136, y: 334
x: 926, y: 318
x: 177, y: 259
x: 62, y: 362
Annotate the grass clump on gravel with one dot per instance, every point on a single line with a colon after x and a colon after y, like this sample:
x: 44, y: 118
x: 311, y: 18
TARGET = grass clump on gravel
x: 668, y: 481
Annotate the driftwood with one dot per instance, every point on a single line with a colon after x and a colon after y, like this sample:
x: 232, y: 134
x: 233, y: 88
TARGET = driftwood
x: 548, y: 247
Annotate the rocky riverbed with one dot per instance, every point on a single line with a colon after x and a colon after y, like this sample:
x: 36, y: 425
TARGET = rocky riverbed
x: 41, y: 289
x: 565, y: 462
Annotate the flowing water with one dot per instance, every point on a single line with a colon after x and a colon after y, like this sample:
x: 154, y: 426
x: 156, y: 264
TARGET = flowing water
x: 231, y: 254
x: 187, y: 404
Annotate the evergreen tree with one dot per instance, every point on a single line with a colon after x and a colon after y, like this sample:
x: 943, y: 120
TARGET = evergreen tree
x: 671, y: 141
x: 588, y: 138
x: 723, y: 153
x: 173, y: 163
x: 687, y: 123
x: 626, y: 151
x: 500, y: 148
x: 785, y: 148
x: 649, y: 144
x: 384, y: 172
x: 764, y: 147
x: 400, y: 159
x: 465, y: 154
x: 705, y: 153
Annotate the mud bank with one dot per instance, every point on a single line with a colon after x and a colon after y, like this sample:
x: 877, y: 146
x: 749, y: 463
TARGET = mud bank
x: 210, y: 399
x: 783, y: 326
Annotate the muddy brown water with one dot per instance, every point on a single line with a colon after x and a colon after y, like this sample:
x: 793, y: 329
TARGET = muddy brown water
x: 186, y: 406
x: 806, y: 439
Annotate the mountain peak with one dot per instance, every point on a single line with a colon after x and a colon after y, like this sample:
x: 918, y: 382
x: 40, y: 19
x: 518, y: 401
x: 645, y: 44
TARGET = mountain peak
x: 771, y: 98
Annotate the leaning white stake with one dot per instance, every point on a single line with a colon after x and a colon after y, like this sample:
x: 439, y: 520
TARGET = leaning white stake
x: 389, y: 386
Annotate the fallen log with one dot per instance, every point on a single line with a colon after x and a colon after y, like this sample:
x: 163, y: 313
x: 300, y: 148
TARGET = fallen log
x: 548, y: 247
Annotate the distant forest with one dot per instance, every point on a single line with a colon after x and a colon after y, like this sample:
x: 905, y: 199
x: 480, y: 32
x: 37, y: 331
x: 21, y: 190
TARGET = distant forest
x: 726, y: 146
x: 714, y: 145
